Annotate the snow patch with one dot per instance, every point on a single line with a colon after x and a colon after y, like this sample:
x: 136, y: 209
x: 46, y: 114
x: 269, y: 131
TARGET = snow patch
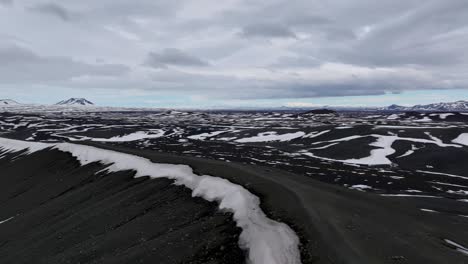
x: 444, y: 174
x: 129, y: 137
x: 315, y: 134
x: 457, y: 246
x: 428, y: 210
x: 444, y: 116
x: 360, y: 187
x: 384, y: 143
x: 409, y: 195
x: 409, y: 152
x: 393, y: 117
x: 424, y: 119
x: 271, y: 136
x: 378, y: 156
x: 461, y: 139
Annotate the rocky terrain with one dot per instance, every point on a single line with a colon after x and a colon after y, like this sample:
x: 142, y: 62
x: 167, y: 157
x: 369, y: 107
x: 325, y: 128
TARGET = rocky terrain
x: 411, y: 164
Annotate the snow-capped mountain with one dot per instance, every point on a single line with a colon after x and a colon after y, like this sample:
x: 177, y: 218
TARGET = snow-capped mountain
x: 8, y: 102
x: 75, y: 102
x: 452, y: 106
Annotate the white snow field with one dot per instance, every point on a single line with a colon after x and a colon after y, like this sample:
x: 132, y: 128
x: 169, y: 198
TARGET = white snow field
x: 461, y: 139
x: 266, y: 241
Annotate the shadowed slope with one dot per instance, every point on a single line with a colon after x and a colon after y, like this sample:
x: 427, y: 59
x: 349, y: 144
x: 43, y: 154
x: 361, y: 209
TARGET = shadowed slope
x: 64, y: 213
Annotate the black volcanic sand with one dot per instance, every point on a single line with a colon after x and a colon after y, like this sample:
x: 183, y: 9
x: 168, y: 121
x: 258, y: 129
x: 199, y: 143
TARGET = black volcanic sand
x: 338, y: 225
x: 65, y: 213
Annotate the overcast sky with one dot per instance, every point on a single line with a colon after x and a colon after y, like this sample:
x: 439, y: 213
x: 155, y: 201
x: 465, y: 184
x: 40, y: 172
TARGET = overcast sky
x: 234, y: 52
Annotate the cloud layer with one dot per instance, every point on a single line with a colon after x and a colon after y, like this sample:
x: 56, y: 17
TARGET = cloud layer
x: 234, y: 49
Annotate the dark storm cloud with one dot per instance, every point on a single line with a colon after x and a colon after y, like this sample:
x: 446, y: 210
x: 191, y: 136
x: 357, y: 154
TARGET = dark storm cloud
x: 52, y: 9
x: 174, y: 57
x: 20, y: 65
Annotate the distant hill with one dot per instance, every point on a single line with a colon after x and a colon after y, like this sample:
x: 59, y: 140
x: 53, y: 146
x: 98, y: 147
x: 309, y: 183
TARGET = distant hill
x: 8, y: 102
x: 461, y: 106
x: 319, y: 112
x: 75, y: 102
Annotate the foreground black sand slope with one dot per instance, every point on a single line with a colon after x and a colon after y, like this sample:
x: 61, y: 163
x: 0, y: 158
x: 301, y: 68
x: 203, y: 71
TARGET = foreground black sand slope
x: 64, y: 213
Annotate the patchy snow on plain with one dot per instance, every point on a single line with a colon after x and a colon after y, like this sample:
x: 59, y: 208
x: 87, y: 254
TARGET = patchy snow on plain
x: 139, y: 135
x: 443, y: 116
x: 326, y: 146
x: 206, y: 135
x: 412, y: 127
x: 460, y: 192
x: 410, y: 195
x: 444, y: 174
x: 448, y: 184
x: 271, y: 136
x: 315, y: 134
x: 428, y: 210
x: 265, y: 240
x: 377, y: 156
x: 424, y: 119
x: 409, y: 152
x: 384, y: 143
x: 360, y: 187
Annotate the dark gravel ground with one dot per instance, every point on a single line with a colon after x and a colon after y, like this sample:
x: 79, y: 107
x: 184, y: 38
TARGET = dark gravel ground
x: 64, y: 213
x: 336, y: 225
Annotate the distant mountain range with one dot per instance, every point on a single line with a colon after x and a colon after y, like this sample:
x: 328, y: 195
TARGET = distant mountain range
x: 452, y: 106
x: 6, y: 102
x: 75, y: 102
x: 458, y: 106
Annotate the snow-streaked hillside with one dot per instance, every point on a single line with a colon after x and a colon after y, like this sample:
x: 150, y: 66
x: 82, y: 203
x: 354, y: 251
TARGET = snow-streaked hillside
x: 451, y: 106
x: 75, y: 102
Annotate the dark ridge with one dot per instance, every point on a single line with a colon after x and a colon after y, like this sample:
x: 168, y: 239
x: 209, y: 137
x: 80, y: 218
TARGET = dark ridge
x: 412, y: 114
x: 319, y: 112
x: 66, y: 213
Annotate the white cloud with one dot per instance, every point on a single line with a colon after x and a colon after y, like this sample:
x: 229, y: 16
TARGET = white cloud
x: 236, y: 48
